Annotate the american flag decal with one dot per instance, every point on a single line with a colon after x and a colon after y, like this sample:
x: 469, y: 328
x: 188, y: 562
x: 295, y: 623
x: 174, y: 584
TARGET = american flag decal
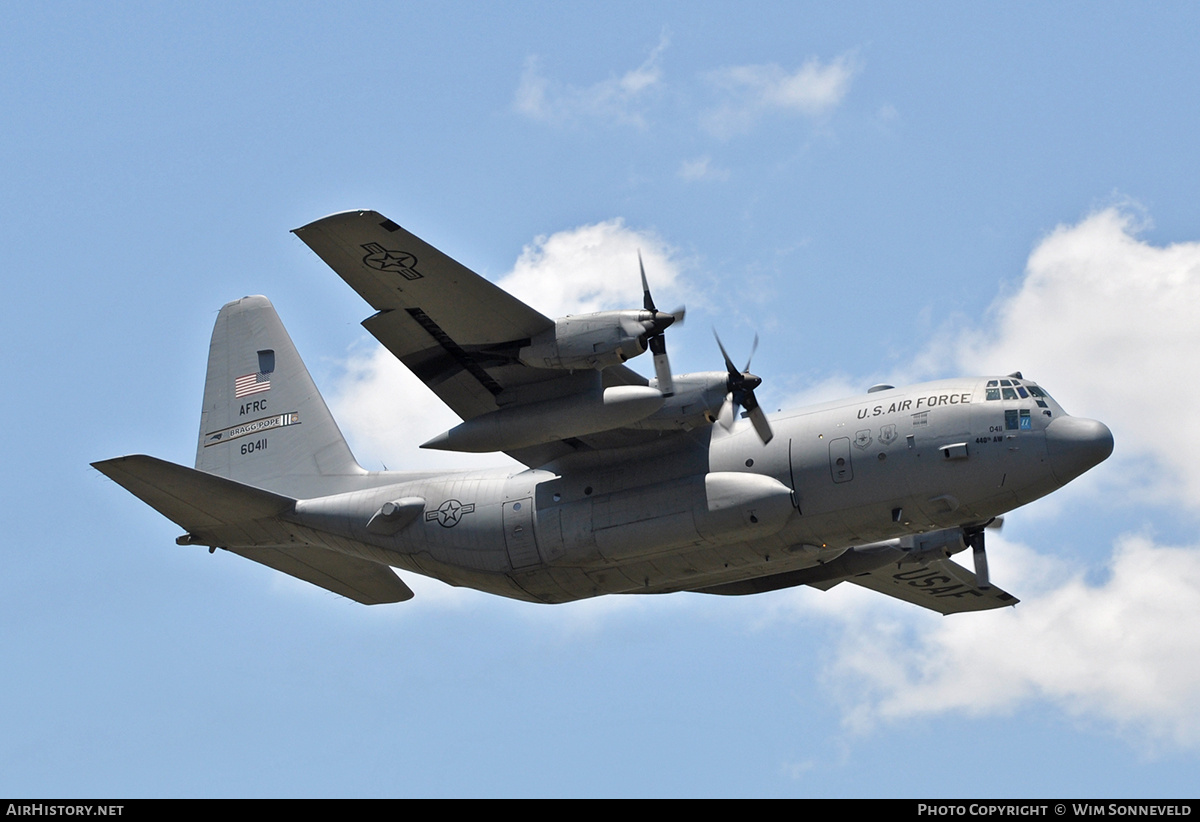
x: 251, y: 384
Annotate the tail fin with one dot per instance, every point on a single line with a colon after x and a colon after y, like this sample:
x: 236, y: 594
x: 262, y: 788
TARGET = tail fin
x: 264, y: 422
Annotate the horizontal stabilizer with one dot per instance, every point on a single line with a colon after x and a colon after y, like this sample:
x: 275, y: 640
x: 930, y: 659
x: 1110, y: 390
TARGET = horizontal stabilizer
x: 358, y: 579
x: 246, y: 521
x: 193, y: 499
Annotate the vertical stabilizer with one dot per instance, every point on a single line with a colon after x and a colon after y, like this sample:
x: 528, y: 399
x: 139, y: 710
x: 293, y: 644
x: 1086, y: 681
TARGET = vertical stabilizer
x: 263, y: 422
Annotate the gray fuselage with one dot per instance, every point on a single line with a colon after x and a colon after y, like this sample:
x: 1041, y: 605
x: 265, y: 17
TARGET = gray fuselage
x: 725, y: 507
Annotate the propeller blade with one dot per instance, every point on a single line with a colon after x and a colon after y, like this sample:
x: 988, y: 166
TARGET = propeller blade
x: 662, y: 370
x: 753, y: 348
x: 647, y: 300
x: 754, y: 411
x: 733, y: 372
x: 980, y: 555
x: 727, y: 413
x: 662, y: 365
x: 759, y: 420
x: 654, y: 339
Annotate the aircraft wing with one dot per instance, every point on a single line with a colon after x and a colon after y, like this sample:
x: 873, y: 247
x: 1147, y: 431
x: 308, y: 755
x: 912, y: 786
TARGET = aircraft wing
x: 457, y: 332
x: 941, y: 585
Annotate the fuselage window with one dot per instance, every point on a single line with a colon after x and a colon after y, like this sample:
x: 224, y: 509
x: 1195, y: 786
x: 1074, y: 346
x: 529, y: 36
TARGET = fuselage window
x: 1010, y: 419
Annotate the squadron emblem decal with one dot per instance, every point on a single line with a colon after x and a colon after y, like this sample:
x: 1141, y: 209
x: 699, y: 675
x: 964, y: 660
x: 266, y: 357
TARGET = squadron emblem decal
x: 383, y: 259
x: 449, y: 513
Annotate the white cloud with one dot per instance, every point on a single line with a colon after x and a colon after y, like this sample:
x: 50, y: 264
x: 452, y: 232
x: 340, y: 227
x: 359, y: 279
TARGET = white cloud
x: 832, y: 387
x: 1123, y: 652
x: 1101, y: 318
x: 701, y: 168
x: 813, y: 90
x: 1107, y: 323
x: 592, y: 268
x: 615, y: 100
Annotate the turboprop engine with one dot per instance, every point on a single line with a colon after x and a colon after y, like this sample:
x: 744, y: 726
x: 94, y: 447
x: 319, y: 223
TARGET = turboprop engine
x: 607, y: 338
x: 595, y: 340
x: 922, y: 548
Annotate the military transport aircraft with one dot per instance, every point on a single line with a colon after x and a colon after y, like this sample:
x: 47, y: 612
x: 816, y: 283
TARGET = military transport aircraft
x: 677, y: 483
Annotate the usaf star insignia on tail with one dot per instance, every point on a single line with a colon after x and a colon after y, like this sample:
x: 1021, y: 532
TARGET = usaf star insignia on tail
x: 630, y: 486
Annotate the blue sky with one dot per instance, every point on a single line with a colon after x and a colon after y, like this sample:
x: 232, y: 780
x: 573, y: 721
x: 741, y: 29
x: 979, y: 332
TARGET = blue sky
x: 881, y: 192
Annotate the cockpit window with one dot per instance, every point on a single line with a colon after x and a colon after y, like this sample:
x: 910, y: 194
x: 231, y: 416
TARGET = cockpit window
x: 1014, y: 390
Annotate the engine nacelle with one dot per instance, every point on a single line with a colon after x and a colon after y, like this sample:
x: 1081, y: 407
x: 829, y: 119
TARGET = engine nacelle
x: 933, y: 545
x: 590, y: 340
x: 696, y: 402
x: 541, y: 422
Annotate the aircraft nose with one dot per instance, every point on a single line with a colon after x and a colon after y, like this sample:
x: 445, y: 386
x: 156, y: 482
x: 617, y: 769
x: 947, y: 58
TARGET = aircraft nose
x: 1075, y: 444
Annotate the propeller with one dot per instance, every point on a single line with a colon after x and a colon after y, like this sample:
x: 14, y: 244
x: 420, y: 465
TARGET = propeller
x: 741, y: 393
x: 654, y: 338
x: 974, y: 538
